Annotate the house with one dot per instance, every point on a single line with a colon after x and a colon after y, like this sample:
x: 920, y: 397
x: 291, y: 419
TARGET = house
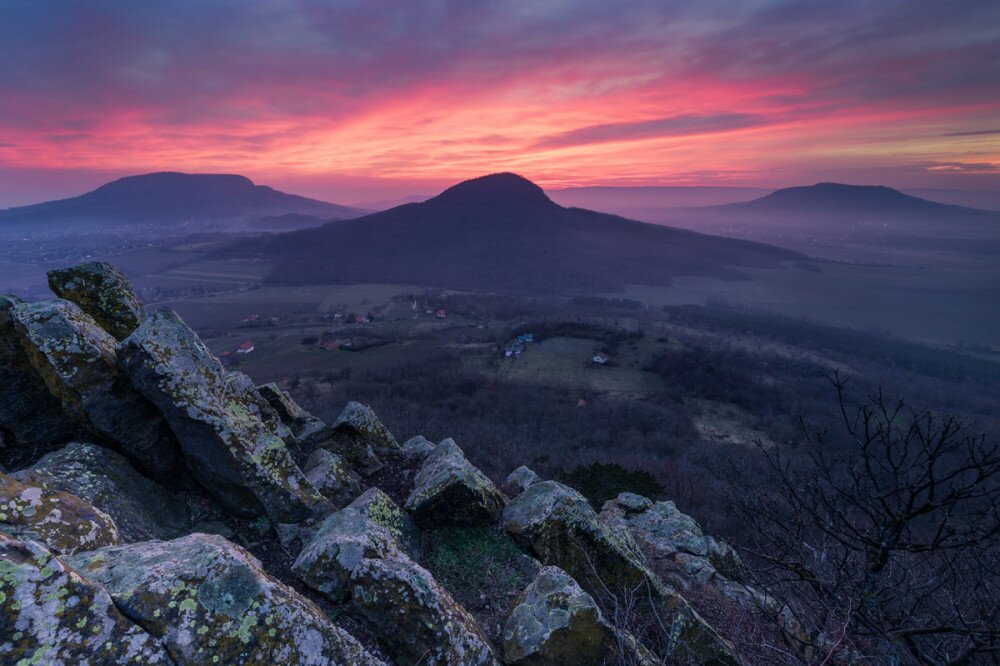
x: 252, y: 317
x: 339, y: 343
x: 338, y: 315
x: 525, y: 338
x: 441, y: 314
x: 600, y: 358
x: 244, y: 348
x: 361, y: 319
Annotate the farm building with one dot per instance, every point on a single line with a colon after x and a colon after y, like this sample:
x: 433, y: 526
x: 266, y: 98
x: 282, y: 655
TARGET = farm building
x: 600, y: 358
x: 244, y: 347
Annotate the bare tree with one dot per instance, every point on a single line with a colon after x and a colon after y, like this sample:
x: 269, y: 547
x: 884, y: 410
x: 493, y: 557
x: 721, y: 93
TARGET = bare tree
x: 886, y: 548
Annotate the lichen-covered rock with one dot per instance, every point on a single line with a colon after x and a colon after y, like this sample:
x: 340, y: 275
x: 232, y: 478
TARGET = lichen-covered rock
x: 521, y: 479
x: 414, y: 618
x: 241, y: 384
x: 417, y: 448
x: 338, y: 547
x: 141, y: 508
x: 673, y: 542
x: 28, y: 410
x: 676, y: 548
x: 227, y: 446
x: 381, y: 510
x: 449, y: 490
x: 302, y: 424
x: 209, y: 601
x: 555, y: 622
x: 78, y: 362
x: 559, y: 526
x: 64, y: 522
x: 360, y: 437
x: 332, y: 477
x: 103, y: 293
x: 52, y: 616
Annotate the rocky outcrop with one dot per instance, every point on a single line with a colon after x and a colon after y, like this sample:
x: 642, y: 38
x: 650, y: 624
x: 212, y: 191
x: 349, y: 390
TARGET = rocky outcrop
x: 141, y: 508
x: 103, y: 293
x: 209, y: 601
x: 555, y: 622
x: 673, y: 542
x: 449, y: 490
x: 227, y: 446
x: 676, y: 548
x: 560, y: 528
x: 303, y: 425
x: 338, y: 547
x: 332, y: 477
x: 520, y: 480
x: 417, y: 448
x: 28, y: 411
x: 64, y: 522
x: 360, y: 437
x: 77, y: 360
x: 414, y: 618
x: 51, y: 615
x: 381, y: 510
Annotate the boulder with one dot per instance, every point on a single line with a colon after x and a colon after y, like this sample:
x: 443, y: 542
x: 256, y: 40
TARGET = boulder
x: 558, y: 525
x: 302, y: 424
x: 379, y: 508
x: 417, y: 448
x: 360, y: 437
x: 209, y: 601
x: 64, y: 522
x: 28, y: 411
x: 78, y: 362
x: 449, y: 490
x: 338, y: 547
x: 51, y: 615
x: 520, y: 480
x: 673, y: 542
x: 103, y: 293
x: 241, y: 384
x: 555, y: 622
x: 414, y: 618
x: 227, y: 446
x: 141, y: 508
x: 332, y: 477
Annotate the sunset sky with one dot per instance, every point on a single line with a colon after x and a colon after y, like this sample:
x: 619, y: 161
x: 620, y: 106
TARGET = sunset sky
x: 358, y: 100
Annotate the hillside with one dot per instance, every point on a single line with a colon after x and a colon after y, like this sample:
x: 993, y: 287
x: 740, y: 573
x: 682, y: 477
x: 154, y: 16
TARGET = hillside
x: 501, y: 232
x: 173, y: 201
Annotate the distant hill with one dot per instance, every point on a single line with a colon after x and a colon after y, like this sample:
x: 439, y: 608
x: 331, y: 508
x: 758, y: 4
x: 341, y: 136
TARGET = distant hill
x: 641, y: 202
x: 829, y: 197
x: 501, y: 232
x: 174, y: 201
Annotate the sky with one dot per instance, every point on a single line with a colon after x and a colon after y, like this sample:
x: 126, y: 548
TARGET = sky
x: 360, y: 100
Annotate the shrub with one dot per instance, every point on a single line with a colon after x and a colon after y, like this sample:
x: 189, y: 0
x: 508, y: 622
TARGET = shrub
x: 599, y: 482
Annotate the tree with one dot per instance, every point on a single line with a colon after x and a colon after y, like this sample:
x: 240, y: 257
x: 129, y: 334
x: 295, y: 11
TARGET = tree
x: 887, y: 549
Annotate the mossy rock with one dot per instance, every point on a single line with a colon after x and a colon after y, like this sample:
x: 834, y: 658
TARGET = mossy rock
x: 554, y: 621
x: 141, y: 508
x: 51, y: 615
x: 77, y: 360
x: 227, y: 445
x: 103, y: 292
x: 332, y: 477
x: 359, y: 436
x: 209, y: 601
x: 414, y: 618
x: 302, y: 424
x: 520, y: 480
x: 28, y: 410
x: 449, y: 490
x: 558, y: 525
x: 379, y: 508
x: 63, y: 522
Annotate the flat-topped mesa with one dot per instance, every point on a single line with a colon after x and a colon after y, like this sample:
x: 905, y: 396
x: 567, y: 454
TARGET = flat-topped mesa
x: 78, y: 362
x: 227, y: 446
x: 103, y: 292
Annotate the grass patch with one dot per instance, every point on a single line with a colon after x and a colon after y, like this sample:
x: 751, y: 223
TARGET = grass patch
x: 482, y: 569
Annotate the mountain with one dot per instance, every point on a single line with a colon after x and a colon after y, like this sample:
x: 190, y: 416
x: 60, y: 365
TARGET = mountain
x: 836, y: 197
x: 502, y: 232
x: 176, y: 200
